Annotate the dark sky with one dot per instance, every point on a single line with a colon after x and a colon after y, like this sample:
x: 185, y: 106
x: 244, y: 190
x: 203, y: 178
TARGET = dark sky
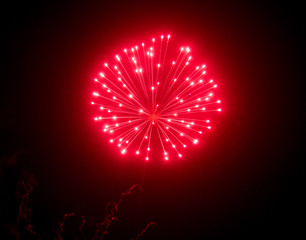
x: 243, y: 182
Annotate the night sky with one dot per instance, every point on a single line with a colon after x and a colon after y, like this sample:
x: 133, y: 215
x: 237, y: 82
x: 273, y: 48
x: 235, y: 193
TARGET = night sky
x: 244, y: 179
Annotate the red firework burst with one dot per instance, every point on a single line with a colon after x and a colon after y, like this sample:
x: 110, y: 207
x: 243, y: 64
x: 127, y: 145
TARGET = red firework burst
x: 148, y: 94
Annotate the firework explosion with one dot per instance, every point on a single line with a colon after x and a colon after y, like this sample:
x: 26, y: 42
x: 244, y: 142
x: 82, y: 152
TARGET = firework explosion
x: 151, y: 93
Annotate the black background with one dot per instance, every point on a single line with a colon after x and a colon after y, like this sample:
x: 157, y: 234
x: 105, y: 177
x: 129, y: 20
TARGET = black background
x: 244, y: 181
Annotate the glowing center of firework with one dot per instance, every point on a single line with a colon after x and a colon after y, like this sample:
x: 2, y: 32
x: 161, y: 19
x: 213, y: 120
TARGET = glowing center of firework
x: 154, y: 89
x: 153, y: 118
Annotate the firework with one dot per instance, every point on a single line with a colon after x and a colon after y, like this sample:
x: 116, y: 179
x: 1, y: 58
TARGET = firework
x: 152, y: 93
